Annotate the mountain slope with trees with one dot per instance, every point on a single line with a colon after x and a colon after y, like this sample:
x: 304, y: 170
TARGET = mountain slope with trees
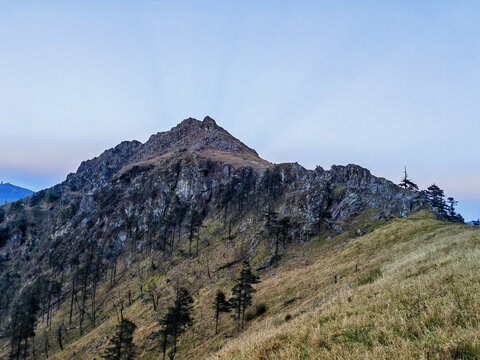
x: 153, y: 231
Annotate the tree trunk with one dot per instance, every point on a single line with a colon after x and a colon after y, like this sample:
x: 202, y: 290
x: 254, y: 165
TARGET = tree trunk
x: 190, y: 242
x: 198, y: 240
x: 243, y: 313
x: 59, y: 336
x: 275, y: 256
x: 25, y: 349
x: 174, y: 351
x: 19, y: 347
x: 94, y: 290
x: 84, y: 299
x: 46, y: 343
x: 48, y: 310
x: 165, y: 336
x: 239, y: 313
x: 71, y: 301
x: 34, y: 354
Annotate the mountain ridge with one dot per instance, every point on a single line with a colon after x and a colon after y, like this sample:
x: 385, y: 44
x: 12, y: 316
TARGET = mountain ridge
x: 138, y: 203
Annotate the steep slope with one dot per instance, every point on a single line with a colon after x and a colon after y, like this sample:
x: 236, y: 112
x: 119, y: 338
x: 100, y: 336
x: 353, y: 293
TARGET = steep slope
x: 408, y: 290
x: 9, y: 193
x: 184, y: 207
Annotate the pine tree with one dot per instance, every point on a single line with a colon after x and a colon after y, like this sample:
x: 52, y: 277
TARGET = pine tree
x: 220, y: 305
x: 270, y: 217
x: 319, y: 215
x: 23, y: 321
x: 272, y: 182
x: 436, y: 197
x: 242, y: 293
x: 282, y: 228
x: 175, y: 321
x: 121, y: 346
x: 451, y: 205
x: 236, y: 302
x: 406, y: 183
x: 284, y: 225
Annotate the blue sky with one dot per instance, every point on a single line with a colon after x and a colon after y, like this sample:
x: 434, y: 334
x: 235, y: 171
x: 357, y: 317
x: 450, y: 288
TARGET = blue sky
x: 379, y: 83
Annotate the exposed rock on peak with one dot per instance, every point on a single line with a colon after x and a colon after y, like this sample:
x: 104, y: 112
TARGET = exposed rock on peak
x: 103, y: 167
x: 194, y: 135
x: 190, y: 135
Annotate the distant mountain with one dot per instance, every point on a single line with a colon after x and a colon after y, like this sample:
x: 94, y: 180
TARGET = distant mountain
x: 9, y: 193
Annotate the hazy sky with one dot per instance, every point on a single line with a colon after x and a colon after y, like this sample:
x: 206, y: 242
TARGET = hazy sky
x: 382, y: 84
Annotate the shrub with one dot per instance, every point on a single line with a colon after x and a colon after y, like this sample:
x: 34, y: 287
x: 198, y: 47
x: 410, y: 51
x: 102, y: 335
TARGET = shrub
x: 52, y: 195
x: 466, y: 351
x: 260, y: 309
x: 38, y: 197
x: 249, y: 316
x: 16, y: 206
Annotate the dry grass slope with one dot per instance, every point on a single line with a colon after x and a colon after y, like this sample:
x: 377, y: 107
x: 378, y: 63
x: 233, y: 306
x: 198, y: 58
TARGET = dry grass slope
x: 415, y: 295
x: 408, y: 289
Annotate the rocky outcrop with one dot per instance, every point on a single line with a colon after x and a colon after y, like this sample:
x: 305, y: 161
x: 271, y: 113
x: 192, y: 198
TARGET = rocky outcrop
x: 193, y: 135
x: 183, y: 166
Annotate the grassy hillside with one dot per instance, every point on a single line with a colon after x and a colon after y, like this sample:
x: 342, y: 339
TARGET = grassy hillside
x: 409, y: 288
x: 416, y: 294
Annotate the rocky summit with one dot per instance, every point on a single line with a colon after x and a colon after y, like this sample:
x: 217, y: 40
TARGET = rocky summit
x: 157, y: 210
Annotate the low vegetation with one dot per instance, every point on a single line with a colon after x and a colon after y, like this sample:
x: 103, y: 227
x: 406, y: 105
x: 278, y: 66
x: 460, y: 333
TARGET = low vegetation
x: 415, y: 296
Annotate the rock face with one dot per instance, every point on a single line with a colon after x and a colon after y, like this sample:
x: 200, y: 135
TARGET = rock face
x: 135, y: 196
x: 197, y: 160
x: 198, y: 163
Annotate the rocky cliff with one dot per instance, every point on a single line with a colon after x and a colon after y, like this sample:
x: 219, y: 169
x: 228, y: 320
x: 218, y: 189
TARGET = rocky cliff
x: 139, y: 198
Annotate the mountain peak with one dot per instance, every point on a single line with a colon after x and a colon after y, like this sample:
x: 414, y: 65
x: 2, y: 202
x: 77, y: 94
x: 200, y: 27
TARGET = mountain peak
x: 189, y: 135
x: 208, y: 121
x: 195, y: 135
x: 192, y: 123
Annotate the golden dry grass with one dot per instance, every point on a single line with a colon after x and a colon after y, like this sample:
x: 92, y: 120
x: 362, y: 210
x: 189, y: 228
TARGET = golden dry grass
x: 422, y: 302
x: 409, y: 289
